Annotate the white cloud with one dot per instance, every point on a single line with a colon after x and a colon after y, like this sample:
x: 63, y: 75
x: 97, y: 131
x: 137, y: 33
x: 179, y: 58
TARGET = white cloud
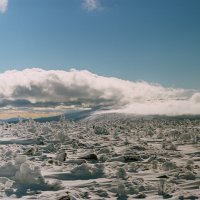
x: 165, y: 107
x: 91, y: 5
x: 83, y: 87
x: 3, y: 5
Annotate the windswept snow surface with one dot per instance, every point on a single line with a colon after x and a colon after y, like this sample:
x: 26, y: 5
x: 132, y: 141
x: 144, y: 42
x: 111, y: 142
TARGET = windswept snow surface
x: 107, y: 156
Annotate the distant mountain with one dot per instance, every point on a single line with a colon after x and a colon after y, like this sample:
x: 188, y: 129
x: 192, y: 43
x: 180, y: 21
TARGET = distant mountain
x: 13, y: 120
x: 74, y: 115
x: 177, y: 117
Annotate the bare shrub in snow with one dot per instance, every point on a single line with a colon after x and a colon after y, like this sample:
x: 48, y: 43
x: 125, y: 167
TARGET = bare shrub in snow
x: 89, y: 170
x: 121, y: 173
x: 189, y: 175
x: 121, y: 190
x: 61, y: 156
x: 100, y: 130
x: 28, y: 175
x: 169, y: 166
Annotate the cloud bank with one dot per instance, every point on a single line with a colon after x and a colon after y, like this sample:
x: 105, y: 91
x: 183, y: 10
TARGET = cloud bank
x: 3, y: 5
x: 47, y: 88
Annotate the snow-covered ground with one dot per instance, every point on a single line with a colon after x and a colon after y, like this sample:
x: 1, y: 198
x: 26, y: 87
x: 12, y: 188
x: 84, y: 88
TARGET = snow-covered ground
x: 107, y: 156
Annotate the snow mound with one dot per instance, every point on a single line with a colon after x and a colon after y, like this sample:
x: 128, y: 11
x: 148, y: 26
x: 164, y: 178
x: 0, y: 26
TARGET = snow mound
x: 88, y: 170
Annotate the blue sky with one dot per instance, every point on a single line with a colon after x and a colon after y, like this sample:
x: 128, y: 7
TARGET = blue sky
x: 153, y: 40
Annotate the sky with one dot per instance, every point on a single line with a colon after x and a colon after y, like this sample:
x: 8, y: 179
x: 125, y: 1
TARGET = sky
x: 157, y: 41
x: 135, y: 56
